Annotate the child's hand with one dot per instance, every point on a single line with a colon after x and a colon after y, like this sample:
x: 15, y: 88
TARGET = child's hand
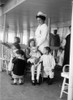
x: 36, y: 60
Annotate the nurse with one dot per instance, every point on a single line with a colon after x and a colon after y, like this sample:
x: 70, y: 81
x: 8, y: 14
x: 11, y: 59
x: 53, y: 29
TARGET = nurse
x: 41, y: 33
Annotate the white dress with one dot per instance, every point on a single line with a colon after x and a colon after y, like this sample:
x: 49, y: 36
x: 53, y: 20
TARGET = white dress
x: 48, y: 64
x: 60, y: 56
x: 42, y: 36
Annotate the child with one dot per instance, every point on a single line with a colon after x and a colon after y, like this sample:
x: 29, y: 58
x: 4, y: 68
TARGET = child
x: 16, y: 41
x: 48, y: 64
x: 12, y: 47
x: 60, y: 57
x: 34, y: 59
x: 18, y: 68
x: 15, y: 47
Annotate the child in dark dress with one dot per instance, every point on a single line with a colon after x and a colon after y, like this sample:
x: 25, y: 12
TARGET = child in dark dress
x: 18, y: 68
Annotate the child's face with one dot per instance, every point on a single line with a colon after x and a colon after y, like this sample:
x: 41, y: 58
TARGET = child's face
x: 32, y: 43
x: 45, y: 51
x: 40, y: 21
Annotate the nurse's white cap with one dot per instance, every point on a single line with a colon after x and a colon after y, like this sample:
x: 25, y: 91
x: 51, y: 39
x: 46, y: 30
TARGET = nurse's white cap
x: 41, y: 14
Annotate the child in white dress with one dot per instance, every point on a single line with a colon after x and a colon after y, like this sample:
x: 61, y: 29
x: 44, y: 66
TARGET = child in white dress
x: 34, y: 59
x: 48, y: 64
x: 60, y: 57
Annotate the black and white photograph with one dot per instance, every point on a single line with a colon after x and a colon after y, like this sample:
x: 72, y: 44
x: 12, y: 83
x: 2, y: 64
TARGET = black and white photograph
x: 36, y: 49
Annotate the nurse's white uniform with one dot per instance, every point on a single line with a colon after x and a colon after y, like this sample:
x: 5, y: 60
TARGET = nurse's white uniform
x: 42, y: 36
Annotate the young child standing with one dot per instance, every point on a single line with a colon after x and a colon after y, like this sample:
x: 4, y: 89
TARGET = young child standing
x: 15, y: 47
x: 18, y: 68
x: 48, y: 64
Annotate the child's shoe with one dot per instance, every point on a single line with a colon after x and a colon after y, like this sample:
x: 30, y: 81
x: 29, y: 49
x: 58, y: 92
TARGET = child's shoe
x: 13, y: 83
x: 21, y: 83
x: 33, y: 82
x: 50, y: 81
x: 38, y: 82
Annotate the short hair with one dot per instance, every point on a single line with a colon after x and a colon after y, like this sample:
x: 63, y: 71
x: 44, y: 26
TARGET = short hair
x: 21, y: 52
x: 60, y: 48
x: 55, y: 31
x: 48, y: 49
x: 42, y: 17
x: 18, y: 39
x: 69, y: 26
x: 31, y: 41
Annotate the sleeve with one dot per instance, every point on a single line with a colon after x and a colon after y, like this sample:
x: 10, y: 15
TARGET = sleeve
x: 44, y: 34
x: 7, y: 44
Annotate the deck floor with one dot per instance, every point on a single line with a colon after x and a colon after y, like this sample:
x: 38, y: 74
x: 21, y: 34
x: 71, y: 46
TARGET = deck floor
x: 27, y: 91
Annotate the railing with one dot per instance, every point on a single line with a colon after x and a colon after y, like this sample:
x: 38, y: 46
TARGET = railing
x: 5, y: 55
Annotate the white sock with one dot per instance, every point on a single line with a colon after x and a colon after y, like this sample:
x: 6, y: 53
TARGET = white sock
x: 15, y: 81
x: 20, y: 80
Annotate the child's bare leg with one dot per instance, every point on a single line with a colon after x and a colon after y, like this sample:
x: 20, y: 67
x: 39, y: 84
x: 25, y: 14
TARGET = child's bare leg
x: 38, y: 72
x: 32, y: 72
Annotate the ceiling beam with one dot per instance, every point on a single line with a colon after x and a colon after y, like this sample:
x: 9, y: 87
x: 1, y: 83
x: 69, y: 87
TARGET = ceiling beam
x: 11, y: 5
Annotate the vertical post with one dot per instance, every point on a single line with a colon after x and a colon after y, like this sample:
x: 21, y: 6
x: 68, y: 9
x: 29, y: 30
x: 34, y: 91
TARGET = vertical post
x: 6, y: 34
x: 28, y: 34
x: 21, y: 37
x: 0, y: 11
x: 18, y: 28
x: 4, y: 27
x: 1, y: 46
x: 49, y: 28
x: 49, y: 24
x: 70, y: 88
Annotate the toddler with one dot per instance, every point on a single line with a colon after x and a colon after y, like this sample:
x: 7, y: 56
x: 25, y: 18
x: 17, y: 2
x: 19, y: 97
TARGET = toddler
x: 48, y: 64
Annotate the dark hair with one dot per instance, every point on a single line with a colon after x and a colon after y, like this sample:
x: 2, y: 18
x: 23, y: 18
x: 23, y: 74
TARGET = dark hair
x: 42, y: 17
x: 69, y: 26
x: 17, y: 46
x: 18, y: 39
x: 31, y: 41
x: 55, y: 31
x: 48, y: 49
x: 60, y: 48
x: 21, y: 52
